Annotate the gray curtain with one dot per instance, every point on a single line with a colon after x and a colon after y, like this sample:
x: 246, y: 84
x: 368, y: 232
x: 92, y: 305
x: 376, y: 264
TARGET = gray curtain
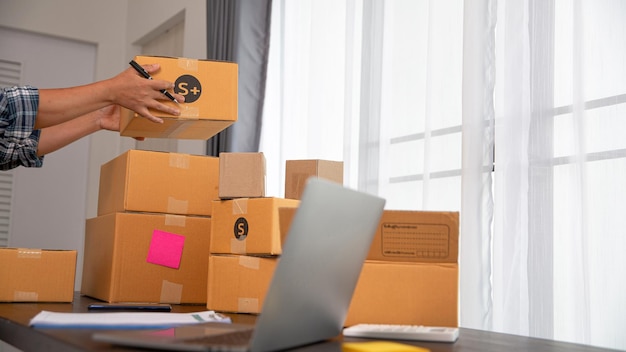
x: 239, y: 31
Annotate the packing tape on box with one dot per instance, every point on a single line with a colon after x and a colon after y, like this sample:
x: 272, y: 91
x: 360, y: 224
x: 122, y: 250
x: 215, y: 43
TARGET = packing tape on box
x: 186, y: 111
x: 171, y: 292
x: 177, y: 206
x: 237, y: 246
x: 23, y: 296
x: 29, y: 253
x: 248, y: 305
x: 179, y: 161
x: 175, y: 220
x: 178, y: 127
x: 250, y: 262
x: 240, y: 206
x: 188, y: 64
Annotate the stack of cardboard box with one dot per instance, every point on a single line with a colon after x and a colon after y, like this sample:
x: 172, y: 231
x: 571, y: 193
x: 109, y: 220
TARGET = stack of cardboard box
x: 245, y: 235
x: 150, y: 240
x: 411, y: 273
x: 176, y: 228
x: 247, y: 241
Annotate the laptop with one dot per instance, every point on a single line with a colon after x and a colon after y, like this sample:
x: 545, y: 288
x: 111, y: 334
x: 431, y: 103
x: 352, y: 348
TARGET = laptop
x: 312, y: 286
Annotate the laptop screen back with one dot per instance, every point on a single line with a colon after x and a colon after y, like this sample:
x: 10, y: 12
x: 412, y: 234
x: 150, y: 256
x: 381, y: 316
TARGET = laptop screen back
x: 327, y: 243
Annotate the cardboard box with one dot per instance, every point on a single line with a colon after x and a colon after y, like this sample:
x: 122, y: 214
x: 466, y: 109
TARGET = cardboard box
x: 408, y: 236
x: 248, y: 226
x: 37, y: 275
x: 285, y: 216
x: 135, y: 257
x: 159, y: 182
x: 242, y: 175
x: 417, y: 236
x: 210, y: 90
x: 406, y: 293
x: 298, y: 171
x: 239, y: 283
x: 415, y: 280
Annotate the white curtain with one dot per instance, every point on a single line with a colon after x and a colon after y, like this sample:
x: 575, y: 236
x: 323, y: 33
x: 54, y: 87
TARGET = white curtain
x: 417, y: 96
x: 559, y: 235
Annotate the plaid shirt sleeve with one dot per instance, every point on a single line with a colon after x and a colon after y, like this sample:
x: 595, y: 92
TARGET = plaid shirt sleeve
x: 18, y: 140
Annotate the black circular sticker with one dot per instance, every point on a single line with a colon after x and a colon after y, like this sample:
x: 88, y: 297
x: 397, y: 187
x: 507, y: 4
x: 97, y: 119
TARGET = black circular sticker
x: 241, y: 229
x: 189, y: 86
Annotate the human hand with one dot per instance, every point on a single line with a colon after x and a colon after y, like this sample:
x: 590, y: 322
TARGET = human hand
x: 109, y: 117
x: 133, y: 91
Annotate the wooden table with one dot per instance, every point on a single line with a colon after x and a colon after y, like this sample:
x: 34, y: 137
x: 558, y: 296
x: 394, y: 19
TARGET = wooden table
x: 14, y: 329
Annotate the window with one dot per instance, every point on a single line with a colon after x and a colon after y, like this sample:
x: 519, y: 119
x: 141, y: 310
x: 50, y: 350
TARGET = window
x: 377, y: 85
x: 560, y: 163
x: 404, y: 92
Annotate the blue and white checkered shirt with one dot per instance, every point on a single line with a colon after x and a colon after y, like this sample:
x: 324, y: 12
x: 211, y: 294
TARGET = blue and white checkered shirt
x: 18, y: 140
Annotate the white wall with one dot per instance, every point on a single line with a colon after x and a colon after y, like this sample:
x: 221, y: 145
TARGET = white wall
x: 161, y: 15
x: 116, y: 28
x: 100, y: 22
x: 59, y: 189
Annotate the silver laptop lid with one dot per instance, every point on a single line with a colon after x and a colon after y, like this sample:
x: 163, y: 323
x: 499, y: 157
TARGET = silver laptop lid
x: 311, y: 290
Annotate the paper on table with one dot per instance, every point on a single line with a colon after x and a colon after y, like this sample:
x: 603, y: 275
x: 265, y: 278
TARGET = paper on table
x: 123, y: 320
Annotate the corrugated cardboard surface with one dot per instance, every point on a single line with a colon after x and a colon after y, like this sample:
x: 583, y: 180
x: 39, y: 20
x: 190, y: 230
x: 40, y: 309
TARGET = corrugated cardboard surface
x: 297, y: 173
x: 406, y: 293
x: 37, y: 275
x: 239, y: 283
x: 248, y: 226
x: 159, y: 182
x: 116, y: 268
x: 408, y: 236
x: 417, y: 236
x: 242, y: 175
x: 285, y: 216
x: 415, y: 280
x: 213, y: 111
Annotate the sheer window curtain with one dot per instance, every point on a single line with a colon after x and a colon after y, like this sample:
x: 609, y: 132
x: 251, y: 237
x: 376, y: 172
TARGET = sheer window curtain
x: 559, y: 189
x: 416, y: 97
x: 381, y: 86
x: 371, y: 84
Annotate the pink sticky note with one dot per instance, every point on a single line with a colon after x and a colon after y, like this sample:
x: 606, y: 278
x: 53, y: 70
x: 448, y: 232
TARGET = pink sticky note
x: 165, y: 332
x: 166, y: 249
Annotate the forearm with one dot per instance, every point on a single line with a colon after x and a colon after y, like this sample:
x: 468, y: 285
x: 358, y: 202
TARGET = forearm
x: 58, y: 136
x: 57, y: 106
x: 127, y: 89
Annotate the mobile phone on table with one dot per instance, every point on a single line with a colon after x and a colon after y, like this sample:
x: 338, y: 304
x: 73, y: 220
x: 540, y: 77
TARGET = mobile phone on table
x: 130, y: 307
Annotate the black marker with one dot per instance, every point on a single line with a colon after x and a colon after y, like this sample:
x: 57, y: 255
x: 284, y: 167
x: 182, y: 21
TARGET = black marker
x: 145, y: 74
x: 131, y: 307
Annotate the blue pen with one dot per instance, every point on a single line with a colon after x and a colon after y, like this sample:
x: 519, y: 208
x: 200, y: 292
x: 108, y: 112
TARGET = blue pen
x: 145, y: 74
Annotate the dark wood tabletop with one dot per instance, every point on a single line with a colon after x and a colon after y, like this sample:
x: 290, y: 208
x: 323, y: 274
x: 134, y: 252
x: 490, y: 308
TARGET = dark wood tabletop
x: 15, y: 317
